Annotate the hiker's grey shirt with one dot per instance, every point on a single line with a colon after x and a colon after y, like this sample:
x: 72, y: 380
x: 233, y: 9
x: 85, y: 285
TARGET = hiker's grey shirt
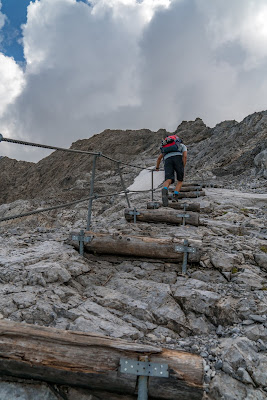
x: 182, y: 149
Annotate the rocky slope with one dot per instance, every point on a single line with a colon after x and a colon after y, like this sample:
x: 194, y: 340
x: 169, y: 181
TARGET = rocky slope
x: 217, y: 311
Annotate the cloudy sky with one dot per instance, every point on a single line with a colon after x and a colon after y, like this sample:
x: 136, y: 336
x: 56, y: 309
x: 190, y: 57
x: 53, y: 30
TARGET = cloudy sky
x: 70, y: 69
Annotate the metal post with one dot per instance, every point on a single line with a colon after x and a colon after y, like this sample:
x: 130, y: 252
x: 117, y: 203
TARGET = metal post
x: 142, y: 388
x: 143, y: 369
x: 134, y: 213
x: 152, y: 181
x: 123, y: 185
x: 81, y: 249
x: 143, y: 382
x: 185, y: 249
x: 183, y: 215
x: 185, y: 205
x: 81, y: 239
x: 91, y: 193
x: 184, y: 266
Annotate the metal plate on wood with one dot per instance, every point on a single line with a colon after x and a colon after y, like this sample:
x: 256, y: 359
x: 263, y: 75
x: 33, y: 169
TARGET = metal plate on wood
x: 185, y: 249
x: 153, y: 205
x: 85, y: 239
x: 183, y: 215
x: 143, y: 368
x: 133, y: 212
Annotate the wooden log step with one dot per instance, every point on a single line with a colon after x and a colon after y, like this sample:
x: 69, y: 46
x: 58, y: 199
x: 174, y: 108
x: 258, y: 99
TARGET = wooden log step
x: 177, y: 205
x: 138, y: 246
x: 188, y: 188
x: 92, y: 361
x: 162, y: 216
x: 192, y: 184
x: 184, y: 195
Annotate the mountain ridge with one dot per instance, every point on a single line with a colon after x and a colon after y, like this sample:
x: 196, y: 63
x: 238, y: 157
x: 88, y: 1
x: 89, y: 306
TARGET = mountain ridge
x: 227, y: 151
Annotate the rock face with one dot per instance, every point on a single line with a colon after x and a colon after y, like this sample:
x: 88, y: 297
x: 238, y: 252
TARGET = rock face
x: 218, y: 310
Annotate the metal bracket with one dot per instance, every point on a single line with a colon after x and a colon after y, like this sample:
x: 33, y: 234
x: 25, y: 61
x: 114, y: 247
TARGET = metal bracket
x: 184, y: 216
x: 82, y: 239
x: 143, y: 369
x: 185, y: 249
x: 134, y: 212
x: 153, y: 204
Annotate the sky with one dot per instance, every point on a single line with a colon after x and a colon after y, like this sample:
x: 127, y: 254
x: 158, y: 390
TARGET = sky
x: 70, y: 69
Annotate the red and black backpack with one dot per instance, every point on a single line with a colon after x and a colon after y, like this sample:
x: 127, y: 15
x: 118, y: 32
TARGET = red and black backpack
x: 170, y: 144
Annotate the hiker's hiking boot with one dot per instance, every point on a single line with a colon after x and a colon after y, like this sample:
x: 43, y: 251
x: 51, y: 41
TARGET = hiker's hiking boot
x: 165, y: 200
x: 175, y: 197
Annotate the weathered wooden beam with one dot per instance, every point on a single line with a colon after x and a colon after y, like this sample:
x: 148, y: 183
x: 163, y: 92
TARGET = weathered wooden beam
x: 138, y: 246
x: 189, y: 194
x: 177, y: 206
x: 187, y: 188
x: 92, y: 361
x: 194, y: 183
x: 162, y: 216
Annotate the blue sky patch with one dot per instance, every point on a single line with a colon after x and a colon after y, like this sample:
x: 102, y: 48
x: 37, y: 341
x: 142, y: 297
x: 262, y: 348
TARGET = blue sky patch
x: 16, y: 13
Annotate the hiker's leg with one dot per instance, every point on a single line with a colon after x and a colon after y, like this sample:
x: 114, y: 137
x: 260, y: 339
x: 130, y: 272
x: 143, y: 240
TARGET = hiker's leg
x: 179, y: 169
x: 178, y: 186
x: 169, y: 168
x: 169, y: 178
x: 167, y: 183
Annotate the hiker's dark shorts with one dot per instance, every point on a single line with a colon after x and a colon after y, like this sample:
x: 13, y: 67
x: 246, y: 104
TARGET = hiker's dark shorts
x: 174, y: 164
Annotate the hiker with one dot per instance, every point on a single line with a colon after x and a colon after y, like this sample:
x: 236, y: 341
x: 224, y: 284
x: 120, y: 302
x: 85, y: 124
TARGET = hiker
x: 174, y: 155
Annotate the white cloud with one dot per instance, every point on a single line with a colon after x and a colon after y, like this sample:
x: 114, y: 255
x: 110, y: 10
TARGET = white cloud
x: 243, y: 22
x: 11, y: 82
x: 133, y: 64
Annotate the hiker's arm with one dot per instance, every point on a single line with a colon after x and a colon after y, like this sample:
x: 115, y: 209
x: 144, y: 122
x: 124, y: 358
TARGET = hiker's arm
x: 184, y: 158
x: 158, y: 161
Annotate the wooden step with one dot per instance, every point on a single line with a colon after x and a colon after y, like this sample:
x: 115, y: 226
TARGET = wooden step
x: 177, y: 205
x: 192, y: 184
x: 138, y: 246
x: 185, y: 188
x: 162, y: 215
x: 92, y: 361
x: 189, y: 195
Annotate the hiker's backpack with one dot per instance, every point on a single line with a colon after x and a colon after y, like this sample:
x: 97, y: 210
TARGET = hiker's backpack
x: 170, y: 144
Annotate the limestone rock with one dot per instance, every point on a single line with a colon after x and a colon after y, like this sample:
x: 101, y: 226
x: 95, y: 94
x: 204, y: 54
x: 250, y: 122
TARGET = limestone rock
x: 25, y: 391
x: 224, y: 262
x: 261, y: 162
x: 224, y: 386
x: 261, y: 260
x: 256, y: 332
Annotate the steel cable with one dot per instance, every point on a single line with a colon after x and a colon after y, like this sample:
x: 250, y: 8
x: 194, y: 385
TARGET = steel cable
x: 3, y: 139
x: 96, y: 196
x: 44, y: 146
x: 76, y: 201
